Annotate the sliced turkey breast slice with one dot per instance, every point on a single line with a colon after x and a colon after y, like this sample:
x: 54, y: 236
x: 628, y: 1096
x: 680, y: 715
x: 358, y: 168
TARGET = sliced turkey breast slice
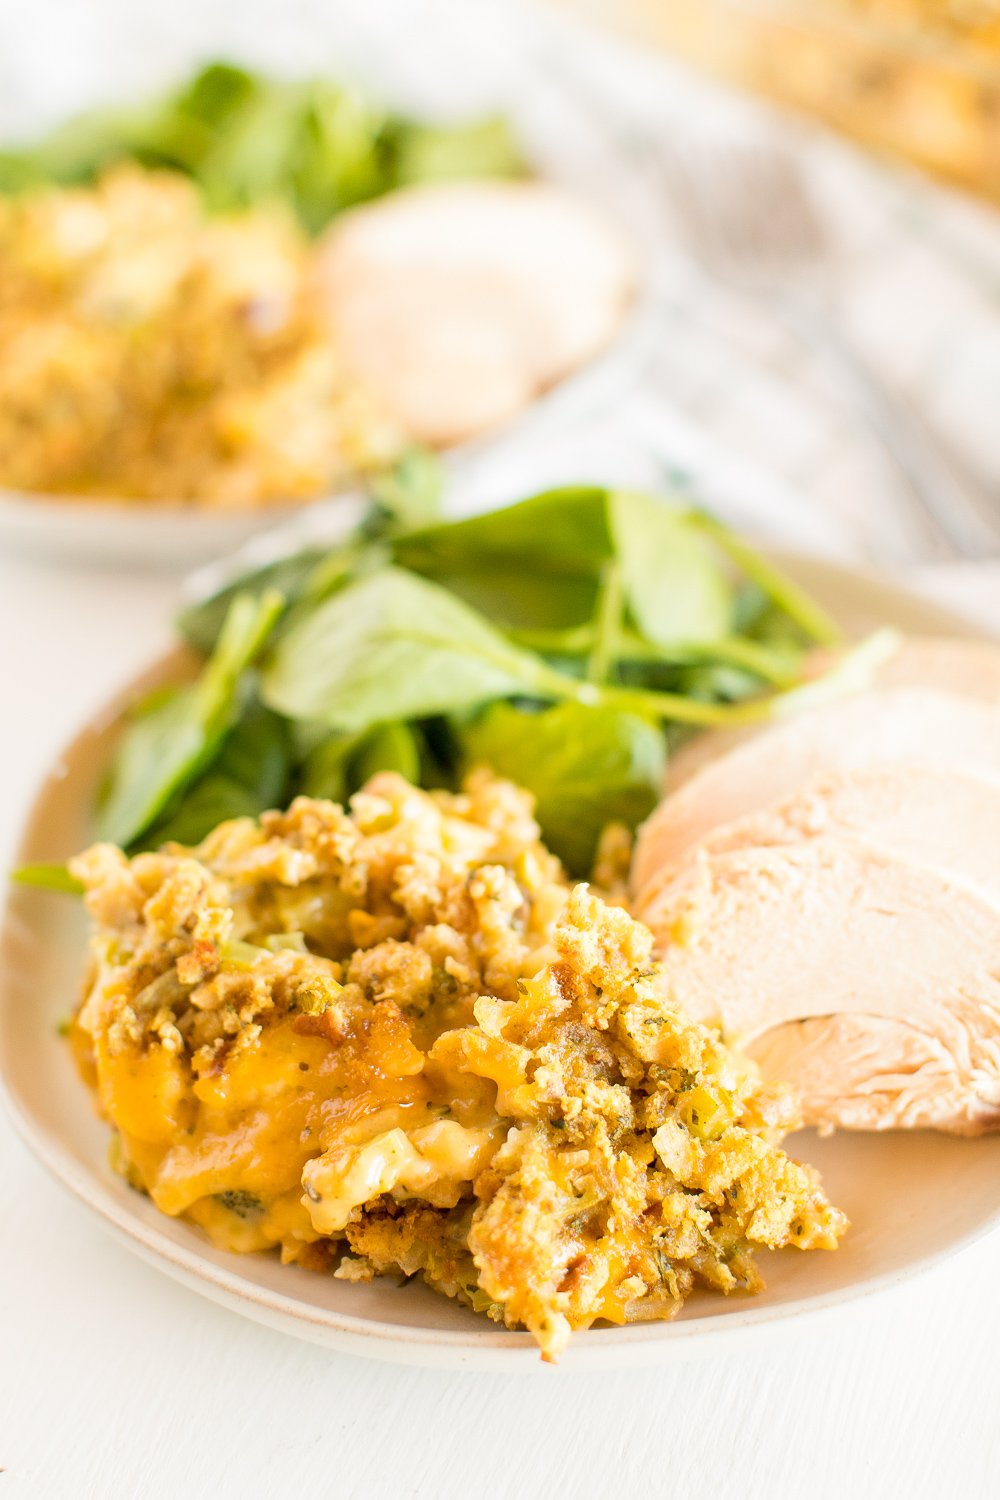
x: 901, y: 956
x: 457, y: 303
x: 867, y: 1073
x: 933, y: 815
x: 970, y: 668
x: 874, y: 729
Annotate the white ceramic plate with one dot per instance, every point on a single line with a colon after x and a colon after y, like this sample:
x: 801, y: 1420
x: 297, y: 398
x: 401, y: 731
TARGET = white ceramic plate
x: 913, y: 1199
x: 566, y: 144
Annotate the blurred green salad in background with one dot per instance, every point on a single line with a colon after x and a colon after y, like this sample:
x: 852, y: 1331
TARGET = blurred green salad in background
x: 245, y: 139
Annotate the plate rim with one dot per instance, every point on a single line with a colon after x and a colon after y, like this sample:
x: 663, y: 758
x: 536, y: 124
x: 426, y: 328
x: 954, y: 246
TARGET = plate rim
x: 483, y: 1344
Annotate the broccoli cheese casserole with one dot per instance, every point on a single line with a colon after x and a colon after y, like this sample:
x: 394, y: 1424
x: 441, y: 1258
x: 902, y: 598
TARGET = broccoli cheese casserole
x: 394, y: 1040
x: 152, y: 351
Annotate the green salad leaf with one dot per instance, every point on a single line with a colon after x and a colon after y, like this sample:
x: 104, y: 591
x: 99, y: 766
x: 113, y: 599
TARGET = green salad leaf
x: 325, y: 769
x: 200, y: 624
x: 537, y: 568
x: 404, y: 496
x: 317, y: 145
x: 784, y: 594
x: 438, y: 153
x: 388, y: 747
x: 561, y: 532
x: 587, y: 767
x: 568, y: 641
x: 249, y: 776
x: 48, y: 877
x: 171, y: 739
x: 342, y: 763
x: 395, y: 646
x: 671, y: 578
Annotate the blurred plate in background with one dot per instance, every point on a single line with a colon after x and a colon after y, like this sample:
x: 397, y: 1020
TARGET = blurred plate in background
x: 567, y: 143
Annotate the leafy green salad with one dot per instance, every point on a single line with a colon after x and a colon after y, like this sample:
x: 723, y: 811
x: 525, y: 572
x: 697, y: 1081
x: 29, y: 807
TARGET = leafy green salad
x: 245, y: 139
x: 568, y: 641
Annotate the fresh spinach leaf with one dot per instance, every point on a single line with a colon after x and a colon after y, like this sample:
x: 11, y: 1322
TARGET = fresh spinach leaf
x: 535, y: 565
x: 342, y: 763
x: 525, y: 600
x: 168, y: 744
x: 539, y: 564
x: 440, y: 752
x: 249, y: 776
x: 244, y: 138
x: 216, y: 93
x: 48, y: 877
x: 789, y: 597
x: 586, y: 767
x: 201, y: 623
x: 675, y: 585
x: 436, y: 153
x: 562, y: 531
x: 342, y: 156
x: 406, y: 497
x: 77, y: 150
x: 424, y: 648
x: 394, y: 646
x: 388, y: 747
x: 326, y: 769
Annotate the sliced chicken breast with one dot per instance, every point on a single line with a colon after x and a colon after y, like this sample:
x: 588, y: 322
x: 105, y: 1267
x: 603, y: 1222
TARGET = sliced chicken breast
x: 970, y: 668
x: 869, y: 1073
x: 868, y: 982
x: 931, y: 815
x: 457, y: 303
x: 896, y: 725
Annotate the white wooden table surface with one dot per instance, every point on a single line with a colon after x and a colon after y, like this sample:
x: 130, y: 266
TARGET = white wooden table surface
x: 117, y: 1384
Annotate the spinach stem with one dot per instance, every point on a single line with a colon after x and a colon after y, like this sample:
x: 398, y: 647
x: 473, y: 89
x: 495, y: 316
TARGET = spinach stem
x: 329, y: 573
x: 48, y: 877
x: 852, y: 673
x: 580, y: 640
x: 244, y: 633
x: 607, y: 624
x: 763, y: 661
x: 575, y: 640
x: 785, y: 593
x: 676, y: 709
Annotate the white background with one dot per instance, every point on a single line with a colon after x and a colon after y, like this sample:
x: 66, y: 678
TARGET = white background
x: 115, y: 1383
